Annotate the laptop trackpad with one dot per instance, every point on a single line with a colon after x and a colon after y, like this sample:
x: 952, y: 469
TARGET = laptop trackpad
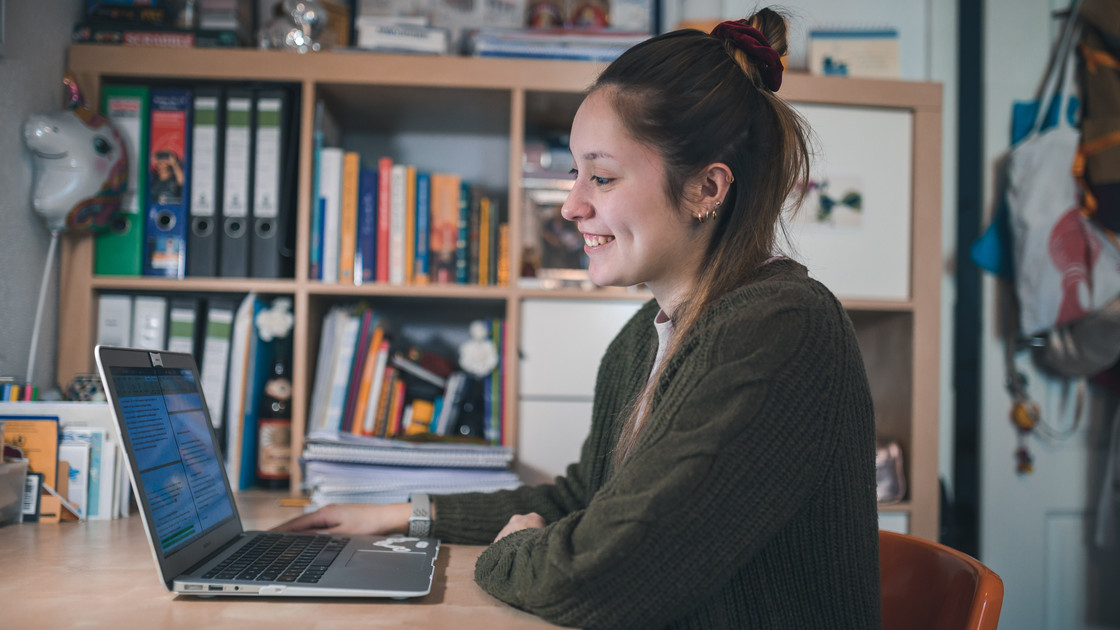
x: 386, y: 560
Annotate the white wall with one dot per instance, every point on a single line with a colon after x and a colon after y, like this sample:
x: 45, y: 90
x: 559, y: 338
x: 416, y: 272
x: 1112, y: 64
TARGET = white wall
x: 31, y: 71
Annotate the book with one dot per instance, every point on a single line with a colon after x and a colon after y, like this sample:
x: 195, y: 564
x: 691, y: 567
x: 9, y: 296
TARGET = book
x: 330, y: 191
x: 101, y: 471
x: 558, y: 43
x: 367, y: 379
x: 324, y: 366
x: 365, y: 263
x: 327, y: 446
x: 366, y: 318
x: 422, y: 229
x: 871, y: 53
x: 144, y: 35
x: 120, y: 250
x: 377, y: 367
x: 384, y: 216
x: 485, y: 243
x: 325, y: 133
x: 348, y: 221
x: 462, y: 235
x: 38, y: 439
x: 398, y: 210
x: 427, y: 366
x: 474, y: 228
x: 409, y: 212
x: 443, y: 227
x: 384, y: 397
x: 168, y: 183
x: 377, y: 34
x: 76, y: 457
x: 248, y: 369
x: 206, y: 180
x: 336, y: 399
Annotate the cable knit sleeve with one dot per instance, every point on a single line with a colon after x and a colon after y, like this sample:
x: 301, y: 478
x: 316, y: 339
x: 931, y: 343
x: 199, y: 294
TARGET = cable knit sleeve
x: 742, y: 434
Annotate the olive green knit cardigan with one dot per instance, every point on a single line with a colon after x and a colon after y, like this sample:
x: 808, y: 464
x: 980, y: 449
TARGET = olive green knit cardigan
x: 748, y: 502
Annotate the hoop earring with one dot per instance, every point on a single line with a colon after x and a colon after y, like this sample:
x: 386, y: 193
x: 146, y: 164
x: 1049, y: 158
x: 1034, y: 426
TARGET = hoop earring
x: 709, y: 215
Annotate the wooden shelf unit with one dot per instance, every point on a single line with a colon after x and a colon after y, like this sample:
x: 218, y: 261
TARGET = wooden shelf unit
x: 900, y: 338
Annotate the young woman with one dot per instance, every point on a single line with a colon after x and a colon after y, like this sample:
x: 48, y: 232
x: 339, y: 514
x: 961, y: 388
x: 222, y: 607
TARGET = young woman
x: 729, y: 477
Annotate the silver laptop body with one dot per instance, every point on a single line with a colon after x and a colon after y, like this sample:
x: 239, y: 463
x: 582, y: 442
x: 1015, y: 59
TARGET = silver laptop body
x: 189, y: 514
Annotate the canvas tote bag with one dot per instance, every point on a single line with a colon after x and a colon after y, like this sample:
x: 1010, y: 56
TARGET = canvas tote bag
x: 1066, y: 267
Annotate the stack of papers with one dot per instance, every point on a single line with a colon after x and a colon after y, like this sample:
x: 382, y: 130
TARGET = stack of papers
x: 346, y: 468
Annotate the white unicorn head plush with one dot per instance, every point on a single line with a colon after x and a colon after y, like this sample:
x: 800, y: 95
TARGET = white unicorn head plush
x: 80, y: 166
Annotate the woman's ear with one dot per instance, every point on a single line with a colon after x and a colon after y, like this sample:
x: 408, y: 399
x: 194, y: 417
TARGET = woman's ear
x: 715, y: 183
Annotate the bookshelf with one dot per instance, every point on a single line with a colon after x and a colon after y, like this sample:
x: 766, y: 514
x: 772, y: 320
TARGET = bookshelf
x: 401, y: 103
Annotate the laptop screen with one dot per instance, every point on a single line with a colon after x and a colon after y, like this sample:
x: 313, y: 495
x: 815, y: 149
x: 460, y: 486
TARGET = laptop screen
x: 179, y: 471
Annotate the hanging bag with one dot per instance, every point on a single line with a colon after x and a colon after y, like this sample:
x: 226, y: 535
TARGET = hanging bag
x: 1065, y: 266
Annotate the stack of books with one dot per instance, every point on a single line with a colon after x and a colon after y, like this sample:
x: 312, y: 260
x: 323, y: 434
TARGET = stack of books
x: 574, y: 44
x: 168, y: 23
x: 401, y: 35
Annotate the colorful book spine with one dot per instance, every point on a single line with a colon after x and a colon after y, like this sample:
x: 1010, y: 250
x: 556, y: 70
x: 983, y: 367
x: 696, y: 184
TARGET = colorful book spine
x: 365, y: 266
x: 348, y: 223
x: 462, y: 235
x: 409, y: 224
x: 423, y: 229
x: 330, y: 191
x: 444, y: 227
x: 384, y: 214
x: 397, y: 211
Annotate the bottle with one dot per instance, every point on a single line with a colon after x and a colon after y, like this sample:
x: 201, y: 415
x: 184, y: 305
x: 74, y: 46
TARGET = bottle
x: 274, y: 425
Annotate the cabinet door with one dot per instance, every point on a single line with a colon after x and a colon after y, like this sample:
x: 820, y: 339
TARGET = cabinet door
x: 853, y: 230
x: 562, y: 342
x: 550, y: 434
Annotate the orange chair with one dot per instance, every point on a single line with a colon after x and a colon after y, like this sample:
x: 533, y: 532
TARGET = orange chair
x: 928, y: 586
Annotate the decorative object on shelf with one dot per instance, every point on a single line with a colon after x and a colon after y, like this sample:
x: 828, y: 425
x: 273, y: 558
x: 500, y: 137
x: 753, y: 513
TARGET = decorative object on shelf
x: 477, y: 355
x: 80, y: 173
x: 274, y: 429
x: 296, y: 27
x: 80, y: 167
x: 890, y: 474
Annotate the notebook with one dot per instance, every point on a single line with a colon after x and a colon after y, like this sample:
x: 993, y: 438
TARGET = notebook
x: 189, y: 513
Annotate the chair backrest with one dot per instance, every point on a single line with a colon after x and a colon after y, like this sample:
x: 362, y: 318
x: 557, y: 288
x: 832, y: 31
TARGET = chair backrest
x: 928, y: 586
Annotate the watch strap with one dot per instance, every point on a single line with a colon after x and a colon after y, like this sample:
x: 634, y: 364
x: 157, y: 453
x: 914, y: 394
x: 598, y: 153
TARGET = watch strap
x: 420, y: 521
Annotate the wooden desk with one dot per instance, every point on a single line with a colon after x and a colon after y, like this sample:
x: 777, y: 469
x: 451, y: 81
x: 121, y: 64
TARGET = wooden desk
x: 100, y: 574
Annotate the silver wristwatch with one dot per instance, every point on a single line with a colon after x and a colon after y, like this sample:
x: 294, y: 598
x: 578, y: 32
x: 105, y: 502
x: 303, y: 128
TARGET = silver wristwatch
x: 420, y: 521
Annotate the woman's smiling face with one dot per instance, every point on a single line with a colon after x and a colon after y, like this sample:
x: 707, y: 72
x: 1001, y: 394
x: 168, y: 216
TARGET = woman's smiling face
x: 633, y: 233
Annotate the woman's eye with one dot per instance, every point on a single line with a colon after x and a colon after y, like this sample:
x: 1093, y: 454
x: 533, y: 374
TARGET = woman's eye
x: 574, y: 173
x: 602, y: 181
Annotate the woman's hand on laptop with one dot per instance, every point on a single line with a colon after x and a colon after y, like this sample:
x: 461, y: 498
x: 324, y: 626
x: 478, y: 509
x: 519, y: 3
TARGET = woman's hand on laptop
x: 351, y: 518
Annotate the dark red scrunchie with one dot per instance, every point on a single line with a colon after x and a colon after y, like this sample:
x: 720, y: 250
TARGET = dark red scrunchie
x: 751, y: 41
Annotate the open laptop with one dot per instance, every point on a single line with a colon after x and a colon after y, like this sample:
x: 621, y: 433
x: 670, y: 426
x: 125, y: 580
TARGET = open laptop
x: 189, y: 512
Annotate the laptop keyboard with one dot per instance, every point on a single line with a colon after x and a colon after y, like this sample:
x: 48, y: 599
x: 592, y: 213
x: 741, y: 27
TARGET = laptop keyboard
x: 302, y: 558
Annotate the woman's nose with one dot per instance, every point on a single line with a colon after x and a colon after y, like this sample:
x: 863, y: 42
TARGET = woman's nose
x: 575, y: 206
